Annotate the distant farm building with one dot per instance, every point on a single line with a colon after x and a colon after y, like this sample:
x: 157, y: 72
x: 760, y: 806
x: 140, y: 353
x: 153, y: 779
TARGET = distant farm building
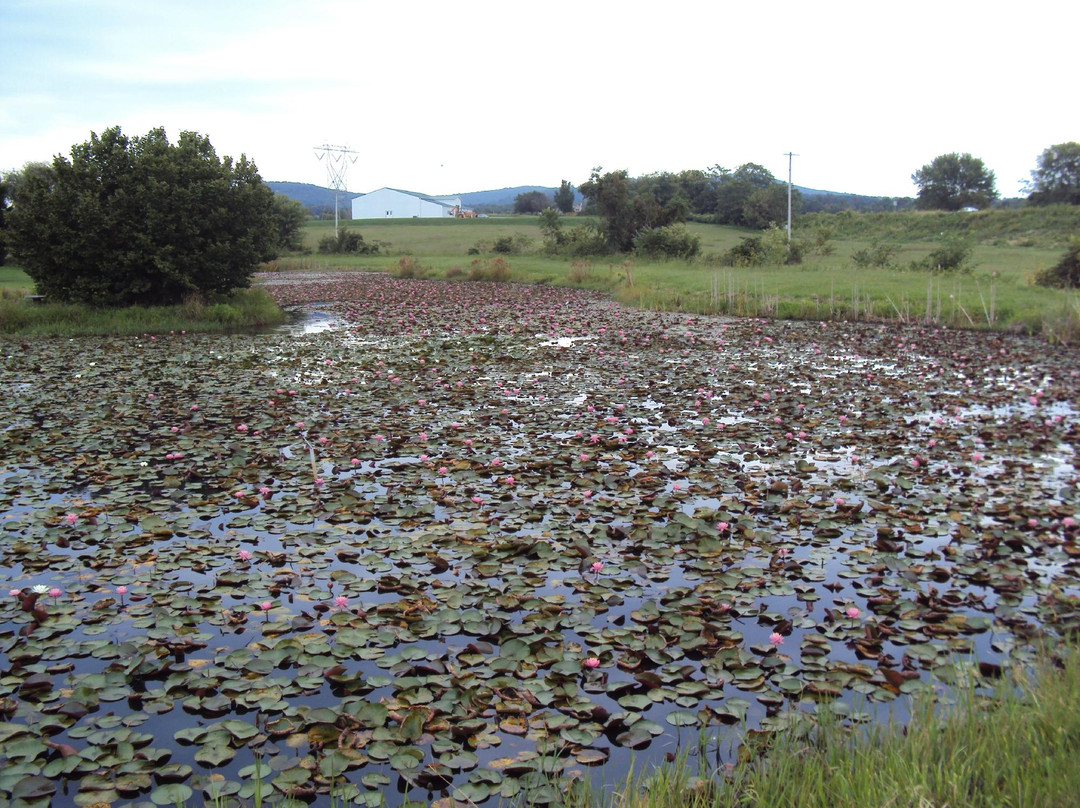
x: 390, y: 203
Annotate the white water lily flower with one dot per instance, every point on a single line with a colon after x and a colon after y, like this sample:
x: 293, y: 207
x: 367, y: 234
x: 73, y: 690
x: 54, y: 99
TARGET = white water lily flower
x: 40, y: 589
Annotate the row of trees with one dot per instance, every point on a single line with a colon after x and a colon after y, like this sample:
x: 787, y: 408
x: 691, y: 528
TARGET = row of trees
x: 138, y: 220
x: 956, y: 181
x: 750, y: 196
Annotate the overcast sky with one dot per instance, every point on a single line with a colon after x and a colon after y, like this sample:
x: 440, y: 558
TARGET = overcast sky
x: 468, y: 95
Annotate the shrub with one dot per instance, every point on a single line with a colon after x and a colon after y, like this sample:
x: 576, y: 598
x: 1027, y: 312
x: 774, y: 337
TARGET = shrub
x: 878, y: 254
x: 672, y: 241
x: 583, y: 241
x: 504, y: 245
x: 952, y: 256
x: 141, y: 221
x: 770, y: 248
x: 346, y: 242
x: 1066, y: 273
x: 455, y: 272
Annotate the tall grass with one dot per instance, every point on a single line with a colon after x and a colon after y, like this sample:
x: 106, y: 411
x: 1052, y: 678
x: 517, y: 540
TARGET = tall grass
x: 241, y: 310
x: 1016, y: 746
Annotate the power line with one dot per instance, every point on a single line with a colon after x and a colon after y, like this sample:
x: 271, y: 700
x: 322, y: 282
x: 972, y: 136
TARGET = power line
x: 338, y: 161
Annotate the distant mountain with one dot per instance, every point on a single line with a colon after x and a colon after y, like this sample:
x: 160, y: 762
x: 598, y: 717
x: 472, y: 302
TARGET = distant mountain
x: 502, y: 200
x: 321, y: 200
x: 313, y: 197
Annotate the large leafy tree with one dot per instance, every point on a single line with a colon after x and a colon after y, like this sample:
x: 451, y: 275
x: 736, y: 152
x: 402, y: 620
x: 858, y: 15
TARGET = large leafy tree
x: 564, y: 197
x: 734, y: 189
x: 1057, y: 179
x: 531, y: 202
x: 140, y: 220
x: 954, y: 181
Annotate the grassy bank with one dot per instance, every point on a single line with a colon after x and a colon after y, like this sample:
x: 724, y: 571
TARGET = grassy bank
x: 997, y: 292
x: 242, y: 310
x: 1015, y: 748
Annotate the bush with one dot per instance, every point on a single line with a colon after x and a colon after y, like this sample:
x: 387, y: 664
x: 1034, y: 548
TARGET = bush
x: 878, y: 254
x: 672, y: 241
x: 583, y: 241
x: 346, y: 242
x: 1066, y: 273
x: 504, y: 245
x: 770, y: 248
x: 952, y: 256
x: 455, y: 272
x: 141, y: 221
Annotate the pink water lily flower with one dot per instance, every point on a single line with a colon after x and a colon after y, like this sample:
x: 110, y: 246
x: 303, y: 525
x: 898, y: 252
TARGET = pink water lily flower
x: 591, y: 662
x: 852, y: 612
x: 341, y: 601
x: 596, y: 566
x: 776, y: 639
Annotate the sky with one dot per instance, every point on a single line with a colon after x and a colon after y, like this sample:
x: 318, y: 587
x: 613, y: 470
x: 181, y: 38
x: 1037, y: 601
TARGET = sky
x: 470, y: 95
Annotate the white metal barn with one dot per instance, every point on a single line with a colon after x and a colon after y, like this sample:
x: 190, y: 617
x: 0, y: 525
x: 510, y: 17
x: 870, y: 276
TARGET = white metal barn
x: 390, y: 203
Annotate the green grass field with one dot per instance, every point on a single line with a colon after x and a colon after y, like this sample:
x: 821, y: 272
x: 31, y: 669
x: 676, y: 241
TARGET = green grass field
x: 996, y: 292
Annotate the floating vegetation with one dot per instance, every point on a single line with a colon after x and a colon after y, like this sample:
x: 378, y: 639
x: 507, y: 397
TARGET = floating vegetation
x: 462, y: 539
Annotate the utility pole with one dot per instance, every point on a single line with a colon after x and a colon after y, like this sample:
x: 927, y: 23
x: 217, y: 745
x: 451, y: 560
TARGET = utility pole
x: 790, y: 156
x: 337, y: 167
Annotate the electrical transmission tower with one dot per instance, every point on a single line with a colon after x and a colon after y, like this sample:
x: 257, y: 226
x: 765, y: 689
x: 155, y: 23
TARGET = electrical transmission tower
x: 338, y: 159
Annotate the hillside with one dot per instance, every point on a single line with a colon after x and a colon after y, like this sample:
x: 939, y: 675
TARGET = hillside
x: 313, y: 197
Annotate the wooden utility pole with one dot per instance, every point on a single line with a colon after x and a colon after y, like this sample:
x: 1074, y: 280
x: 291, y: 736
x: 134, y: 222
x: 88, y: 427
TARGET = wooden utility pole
x: 790, y: 156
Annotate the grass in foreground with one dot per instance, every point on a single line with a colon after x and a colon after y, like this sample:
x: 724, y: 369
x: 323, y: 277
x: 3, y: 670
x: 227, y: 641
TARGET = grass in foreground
x: 242, y: 310
x: 1015, y: 749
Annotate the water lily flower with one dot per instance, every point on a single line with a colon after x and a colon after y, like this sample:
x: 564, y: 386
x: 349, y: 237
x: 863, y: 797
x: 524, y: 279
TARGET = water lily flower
x: 852, y: 612
x: 14, y: 592
x: 264, y: 491
x: 355, y: 461
x: 341, y: 601
x: 71, y: 518
x: 591, y: 662
x: 241, y: 428
x: 776, y: 638
x: 244, y: 555
x: 54, y: 593
x: 443, y: 470
x: 121, y: 590
x: 596, y: 566
x: 725, y: 607
x: 40, y: 589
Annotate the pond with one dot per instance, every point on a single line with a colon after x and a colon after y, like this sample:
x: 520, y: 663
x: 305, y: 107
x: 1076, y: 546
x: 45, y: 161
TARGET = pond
x: 467, y: 539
